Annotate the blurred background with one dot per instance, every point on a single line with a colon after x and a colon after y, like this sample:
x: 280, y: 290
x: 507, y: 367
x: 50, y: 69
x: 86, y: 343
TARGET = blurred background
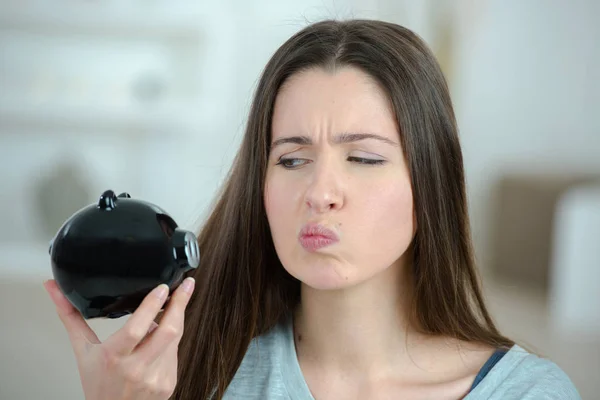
x: 151, y: 97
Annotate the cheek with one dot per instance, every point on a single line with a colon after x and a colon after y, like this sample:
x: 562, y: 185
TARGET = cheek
x: 279, y: 204
x: 387, y: 218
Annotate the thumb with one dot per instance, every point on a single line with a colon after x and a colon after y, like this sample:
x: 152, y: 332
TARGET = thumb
x: 80, y: 333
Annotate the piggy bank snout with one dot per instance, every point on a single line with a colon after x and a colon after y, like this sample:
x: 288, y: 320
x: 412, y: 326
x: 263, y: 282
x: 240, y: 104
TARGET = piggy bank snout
x: 185, y: 249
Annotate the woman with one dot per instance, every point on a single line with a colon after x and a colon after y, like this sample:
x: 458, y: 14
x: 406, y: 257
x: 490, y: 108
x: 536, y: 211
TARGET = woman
x: 337, y: 262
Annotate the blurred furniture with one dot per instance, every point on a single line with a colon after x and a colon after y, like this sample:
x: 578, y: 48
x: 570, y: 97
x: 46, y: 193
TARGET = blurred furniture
x: 523, y: 213
x: 574, y: 290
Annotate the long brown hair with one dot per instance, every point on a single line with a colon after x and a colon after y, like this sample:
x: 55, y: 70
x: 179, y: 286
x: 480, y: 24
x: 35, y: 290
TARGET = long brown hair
x: 243, y: 290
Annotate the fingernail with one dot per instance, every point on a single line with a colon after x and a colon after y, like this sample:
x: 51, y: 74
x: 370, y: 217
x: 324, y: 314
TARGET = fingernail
x: 162, y: 291
x: 47, y: 289
x: 49, y: 292
x: 188, y: 285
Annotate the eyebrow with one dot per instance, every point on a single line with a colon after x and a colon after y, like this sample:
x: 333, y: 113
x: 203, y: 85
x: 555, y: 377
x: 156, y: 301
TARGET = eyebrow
x: 339, y: 139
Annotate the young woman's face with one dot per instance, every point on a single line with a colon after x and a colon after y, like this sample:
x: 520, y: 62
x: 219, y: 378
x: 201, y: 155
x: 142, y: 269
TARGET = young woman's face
x: 336, y: 163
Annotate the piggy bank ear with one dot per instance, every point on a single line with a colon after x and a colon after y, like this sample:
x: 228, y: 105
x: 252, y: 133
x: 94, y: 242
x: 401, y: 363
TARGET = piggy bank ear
x: 107, y: 201
x: 185, y: 249
x: 125, y: 195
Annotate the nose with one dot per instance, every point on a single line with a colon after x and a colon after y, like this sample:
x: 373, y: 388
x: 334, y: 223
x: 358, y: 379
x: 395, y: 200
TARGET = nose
x: 324, y: 192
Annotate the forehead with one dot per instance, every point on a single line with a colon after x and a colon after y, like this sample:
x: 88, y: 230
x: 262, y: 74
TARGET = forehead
x: 343, y: 100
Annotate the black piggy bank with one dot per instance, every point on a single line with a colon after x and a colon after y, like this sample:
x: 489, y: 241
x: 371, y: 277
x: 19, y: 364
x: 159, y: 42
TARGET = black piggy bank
x: 107, y: 256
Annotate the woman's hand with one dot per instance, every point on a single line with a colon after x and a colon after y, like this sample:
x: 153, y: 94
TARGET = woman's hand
x: 139, y: 361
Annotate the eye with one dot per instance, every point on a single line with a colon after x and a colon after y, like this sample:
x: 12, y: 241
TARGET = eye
x: 368, y: 161
x: 291, y: 163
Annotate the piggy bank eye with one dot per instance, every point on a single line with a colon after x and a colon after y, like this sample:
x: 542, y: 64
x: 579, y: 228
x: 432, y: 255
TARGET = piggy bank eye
x: 167, y: 224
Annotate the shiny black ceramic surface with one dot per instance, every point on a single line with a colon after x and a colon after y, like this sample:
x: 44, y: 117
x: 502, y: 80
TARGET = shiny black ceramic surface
x: 108, y: 256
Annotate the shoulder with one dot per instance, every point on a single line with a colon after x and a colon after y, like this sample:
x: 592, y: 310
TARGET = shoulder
x: 259, y: 374
x: 523, y: 375
x: 538, y: 376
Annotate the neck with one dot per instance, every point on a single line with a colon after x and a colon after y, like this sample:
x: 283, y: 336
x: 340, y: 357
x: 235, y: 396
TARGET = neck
x: 360, y: 329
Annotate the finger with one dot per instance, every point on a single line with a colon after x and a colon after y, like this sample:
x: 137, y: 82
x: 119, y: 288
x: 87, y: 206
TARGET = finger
x: 80, y: 333
x: 166, y: 364
x: 153, y: 326
x: 124, y: 341
x: 170, y: 328
x: 163, y: 371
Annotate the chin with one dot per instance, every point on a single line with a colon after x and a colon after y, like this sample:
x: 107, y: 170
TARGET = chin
x: 323, y: 277
x: 325, y: 284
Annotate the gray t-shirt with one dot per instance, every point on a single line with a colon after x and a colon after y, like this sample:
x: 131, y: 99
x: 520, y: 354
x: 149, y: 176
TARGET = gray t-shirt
x: 270, y: 371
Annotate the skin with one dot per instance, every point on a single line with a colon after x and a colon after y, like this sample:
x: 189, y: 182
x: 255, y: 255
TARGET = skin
x: 352, y: 337
x: 137, y: 362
